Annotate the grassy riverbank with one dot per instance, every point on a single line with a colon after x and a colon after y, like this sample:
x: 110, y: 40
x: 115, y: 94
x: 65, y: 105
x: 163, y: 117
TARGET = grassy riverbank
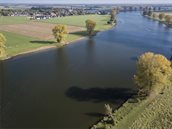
x: 18, y: 43
x: 145, y: 114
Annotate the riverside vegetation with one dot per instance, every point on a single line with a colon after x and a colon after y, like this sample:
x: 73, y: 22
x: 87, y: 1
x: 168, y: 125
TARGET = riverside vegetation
x: 151, y: 107
x: 163, y: 17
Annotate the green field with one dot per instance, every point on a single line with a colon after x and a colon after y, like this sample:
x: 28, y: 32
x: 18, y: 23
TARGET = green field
x: 101, y: 21
x: 5, y: 20
x: 17, y: 43
x: 145, y: 114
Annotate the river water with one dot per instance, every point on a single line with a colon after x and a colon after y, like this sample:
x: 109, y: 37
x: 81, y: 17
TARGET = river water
x: 68, y: 87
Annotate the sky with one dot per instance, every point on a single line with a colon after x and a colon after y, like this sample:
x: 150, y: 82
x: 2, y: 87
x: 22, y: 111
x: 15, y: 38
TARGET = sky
x: 90, y: 1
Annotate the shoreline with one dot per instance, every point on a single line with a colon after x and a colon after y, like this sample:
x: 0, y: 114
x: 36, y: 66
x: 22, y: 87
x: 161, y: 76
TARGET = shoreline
x: 43, y: 48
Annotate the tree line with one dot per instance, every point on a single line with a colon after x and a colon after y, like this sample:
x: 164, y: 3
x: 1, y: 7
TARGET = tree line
x: 166, y: 18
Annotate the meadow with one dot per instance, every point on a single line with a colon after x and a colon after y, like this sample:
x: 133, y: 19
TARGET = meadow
x: 25, y: 35
x: 101, y: 21
x: 7, y: 20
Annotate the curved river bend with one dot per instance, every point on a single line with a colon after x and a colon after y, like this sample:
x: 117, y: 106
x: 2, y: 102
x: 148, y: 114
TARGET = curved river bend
x: 68, y: 87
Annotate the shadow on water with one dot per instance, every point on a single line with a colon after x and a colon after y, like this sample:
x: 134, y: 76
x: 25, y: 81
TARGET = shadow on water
x: 95, y: 114
x: 97, y: 95
x: 43, y: 42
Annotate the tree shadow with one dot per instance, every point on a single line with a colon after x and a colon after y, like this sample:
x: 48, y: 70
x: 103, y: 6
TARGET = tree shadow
x: 95, y: 114
x: 80, y: 33
x: 97, y: 95
x: 42, y: 42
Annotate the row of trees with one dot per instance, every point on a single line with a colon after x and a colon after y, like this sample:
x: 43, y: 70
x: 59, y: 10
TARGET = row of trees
x: 160, y: 16
x: 153, y: 73
x: 60, y: 31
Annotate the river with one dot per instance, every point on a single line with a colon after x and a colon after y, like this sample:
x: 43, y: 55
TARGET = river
x: 68, y: 87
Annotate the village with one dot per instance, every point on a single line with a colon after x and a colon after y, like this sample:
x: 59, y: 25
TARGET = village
x: 40, y: 12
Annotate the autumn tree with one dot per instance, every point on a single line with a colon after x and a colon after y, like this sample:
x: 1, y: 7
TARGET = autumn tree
x: 60, y: 32
x: 153, y: 73
x: 154, y: 15
x: 90, y: 25
x: 161, y: 16
x: 2, y: 45
x: 168, y: 19
x: 113, y: 14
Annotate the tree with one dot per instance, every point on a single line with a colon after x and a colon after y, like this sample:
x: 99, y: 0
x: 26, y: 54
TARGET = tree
x: 145, y: 13
x: 154, y: 15
x: 113, y: 14
x: 90, y: 25
x: 2, y: 45
x: 153, y: 73
x: 161, y: 16
x: 168, y: 19
x: 150, y: 13
x: 60, y: 32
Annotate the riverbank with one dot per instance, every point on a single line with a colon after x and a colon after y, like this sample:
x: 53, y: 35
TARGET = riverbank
x: 137, y: 113
x: 155, y: 16
x: 18, y: 44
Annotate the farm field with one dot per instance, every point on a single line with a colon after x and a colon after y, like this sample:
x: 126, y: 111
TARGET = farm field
x: 6, y: 20
x: 42, y: 31
x: 24, y: 35
x: 101, y: 21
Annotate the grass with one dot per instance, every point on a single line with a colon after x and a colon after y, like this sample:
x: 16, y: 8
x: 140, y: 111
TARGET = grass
x: 146, y: 114
x: 101, y: 21
x: 17, y: 43
x: 7, y: 20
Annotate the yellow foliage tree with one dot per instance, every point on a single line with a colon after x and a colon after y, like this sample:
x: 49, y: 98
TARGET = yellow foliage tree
x: 168, y: 19
x: 90, y: 25
x: 2, y: 45
x: 60, y: 32
x: 153, y: 72
x: 161, y: 16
